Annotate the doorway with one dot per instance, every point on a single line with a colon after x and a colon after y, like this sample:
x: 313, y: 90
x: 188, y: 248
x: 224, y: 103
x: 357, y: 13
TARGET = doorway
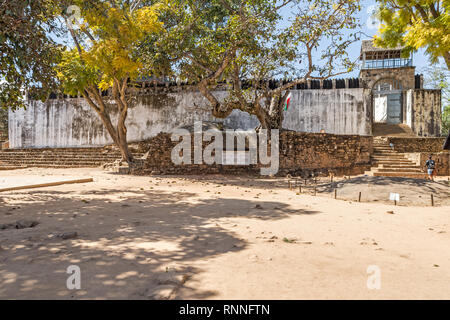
x: 387, y: 95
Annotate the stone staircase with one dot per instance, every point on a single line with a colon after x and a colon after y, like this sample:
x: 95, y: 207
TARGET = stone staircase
x: 58, y: 157
x: 387, y: 162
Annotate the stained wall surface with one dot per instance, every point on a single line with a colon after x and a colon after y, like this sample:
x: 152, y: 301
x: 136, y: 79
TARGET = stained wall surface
x: 426, y: 113
x: 339, y: 111
x: 72, y: 123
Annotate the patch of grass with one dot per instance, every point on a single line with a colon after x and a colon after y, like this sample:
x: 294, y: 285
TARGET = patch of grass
x: 288, y: 240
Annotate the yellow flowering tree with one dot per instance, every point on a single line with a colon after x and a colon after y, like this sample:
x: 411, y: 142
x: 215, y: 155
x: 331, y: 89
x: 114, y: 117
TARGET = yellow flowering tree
x: 416, y: 24
x: 104, y: 58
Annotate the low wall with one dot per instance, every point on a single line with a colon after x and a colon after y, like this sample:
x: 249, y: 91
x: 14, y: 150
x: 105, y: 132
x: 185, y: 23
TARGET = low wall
x: 442, y: 160
x: 405, y: 145
x: 62, y: 123
x: 301, y: 154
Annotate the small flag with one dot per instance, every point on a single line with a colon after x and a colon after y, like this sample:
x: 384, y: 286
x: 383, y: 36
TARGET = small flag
x: 288, y: 100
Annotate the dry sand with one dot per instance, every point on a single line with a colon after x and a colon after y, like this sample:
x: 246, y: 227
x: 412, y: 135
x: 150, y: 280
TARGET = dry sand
x: 220, y: 237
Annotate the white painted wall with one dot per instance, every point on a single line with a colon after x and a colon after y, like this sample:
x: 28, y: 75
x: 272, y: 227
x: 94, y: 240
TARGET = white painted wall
x: 380, y: 108
x: 409, y: 107
x: 338, y: 111
x: 72, y: 123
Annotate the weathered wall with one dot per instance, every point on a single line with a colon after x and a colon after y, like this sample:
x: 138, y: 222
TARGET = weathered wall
x: 442, y: 160
x: 3, y: 125
x: 426, y: 114
x: 71, y: 123
x: 405, y: 75
x: 301, y: 154
x: 417, y: 144
x: 343, y: 111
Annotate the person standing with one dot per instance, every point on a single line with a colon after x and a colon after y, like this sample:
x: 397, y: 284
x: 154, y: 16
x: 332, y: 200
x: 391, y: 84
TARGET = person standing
x: 431, y: 167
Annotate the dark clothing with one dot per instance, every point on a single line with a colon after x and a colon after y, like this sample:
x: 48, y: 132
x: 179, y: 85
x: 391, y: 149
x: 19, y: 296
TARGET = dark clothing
x: 430, y: 164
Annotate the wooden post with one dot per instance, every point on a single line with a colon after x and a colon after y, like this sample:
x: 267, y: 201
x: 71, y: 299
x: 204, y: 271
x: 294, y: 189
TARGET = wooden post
x: 395, y: 202
x: 432, y: 200
x: 290, y: 185
x: 359, y: 197
x: 299, y: 189
x: 335, y: 193
x: 315, y: 191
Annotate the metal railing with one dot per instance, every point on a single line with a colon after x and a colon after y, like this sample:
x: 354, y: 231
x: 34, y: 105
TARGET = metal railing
x: 387, y: 63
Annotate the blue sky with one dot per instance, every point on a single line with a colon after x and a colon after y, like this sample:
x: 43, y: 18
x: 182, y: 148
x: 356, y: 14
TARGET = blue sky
x: 420, y: 59
x: 369, y: 29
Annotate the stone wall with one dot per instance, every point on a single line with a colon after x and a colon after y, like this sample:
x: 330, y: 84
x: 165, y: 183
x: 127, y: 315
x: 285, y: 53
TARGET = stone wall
x: 405, y: 75
x: 301, y: 154
x: 426, y: 114
x: 405, y: 145
x: 442, y: 160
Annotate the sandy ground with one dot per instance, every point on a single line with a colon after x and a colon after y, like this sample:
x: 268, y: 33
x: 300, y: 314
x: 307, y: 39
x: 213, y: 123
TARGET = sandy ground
x: 220, y: 237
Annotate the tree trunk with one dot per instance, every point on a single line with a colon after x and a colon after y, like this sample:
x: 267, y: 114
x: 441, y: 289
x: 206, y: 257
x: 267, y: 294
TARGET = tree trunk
x: 447, y: 59
x: 272, y: 118
x: 119, y: 134
x: 122, y: 137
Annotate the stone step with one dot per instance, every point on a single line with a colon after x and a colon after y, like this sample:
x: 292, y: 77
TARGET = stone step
x: 68, y: 163
x: 391, y: 156
x: 391, y: 159
x: 395, y: 166
x: 58, y: 158
x: 60, y: 166
x: 412, y: 170
x: 384, y: 150
x: 400, y: 174
x: 387, y: 162
x: 55, y: 153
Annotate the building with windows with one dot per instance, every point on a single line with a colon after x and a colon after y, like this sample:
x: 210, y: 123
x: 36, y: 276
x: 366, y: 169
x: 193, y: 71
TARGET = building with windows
x: 396, y: 92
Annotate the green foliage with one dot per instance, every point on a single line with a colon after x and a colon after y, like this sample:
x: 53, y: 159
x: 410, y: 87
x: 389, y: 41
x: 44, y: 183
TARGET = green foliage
x: 416, y: 24
x: 107, y: 38
x: 28, y: 55
x: 216, y: 41
x: 446, y: 120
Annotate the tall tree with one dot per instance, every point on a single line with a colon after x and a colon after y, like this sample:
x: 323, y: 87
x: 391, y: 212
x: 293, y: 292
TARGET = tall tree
x: 104, y: 58
x: 437, y: 76
x: 416, y: 24
x: 27, y: 54
x: 245, y: 43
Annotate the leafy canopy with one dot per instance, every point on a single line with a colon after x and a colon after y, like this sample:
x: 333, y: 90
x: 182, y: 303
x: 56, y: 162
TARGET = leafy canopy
x: 416, y: 24
x: 27, y: 54
x: 111, y: 34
